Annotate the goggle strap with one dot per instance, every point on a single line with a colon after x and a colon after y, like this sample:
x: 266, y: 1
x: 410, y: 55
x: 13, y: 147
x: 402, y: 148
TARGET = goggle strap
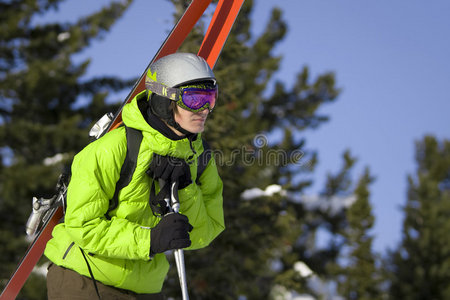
x: 162, y: 90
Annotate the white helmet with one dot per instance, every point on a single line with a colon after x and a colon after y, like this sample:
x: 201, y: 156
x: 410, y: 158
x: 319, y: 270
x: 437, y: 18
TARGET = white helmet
x: 179, y: 69
x: 174, y: 70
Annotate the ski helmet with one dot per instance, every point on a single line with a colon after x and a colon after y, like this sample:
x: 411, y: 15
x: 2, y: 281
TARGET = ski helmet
x: 175, y: 70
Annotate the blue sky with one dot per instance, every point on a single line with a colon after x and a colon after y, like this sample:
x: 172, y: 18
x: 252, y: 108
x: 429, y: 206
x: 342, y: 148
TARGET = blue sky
x: 391, y: 60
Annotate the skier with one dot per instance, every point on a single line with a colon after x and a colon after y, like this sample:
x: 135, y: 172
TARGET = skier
x: 116, y: 250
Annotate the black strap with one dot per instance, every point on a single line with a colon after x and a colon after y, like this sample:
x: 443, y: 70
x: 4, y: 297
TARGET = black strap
x: 134, y: 139
x: 92, y: 274
x: 158, y: 202
x: 203, y: 160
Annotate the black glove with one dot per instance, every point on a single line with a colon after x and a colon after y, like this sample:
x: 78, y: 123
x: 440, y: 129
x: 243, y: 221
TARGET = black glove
x: 170, y: 169
x: 172, y: 232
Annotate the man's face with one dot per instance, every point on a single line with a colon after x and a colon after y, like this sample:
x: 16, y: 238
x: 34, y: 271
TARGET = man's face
x: 192, y: 122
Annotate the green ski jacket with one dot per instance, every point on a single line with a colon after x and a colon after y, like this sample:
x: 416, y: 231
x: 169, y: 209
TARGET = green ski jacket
x: 117, y: 249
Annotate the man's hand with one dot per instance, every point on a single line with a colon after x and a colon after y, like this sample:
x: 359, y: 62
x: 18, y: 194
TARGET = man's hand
x: 172, y: 232
x: 170, y: 169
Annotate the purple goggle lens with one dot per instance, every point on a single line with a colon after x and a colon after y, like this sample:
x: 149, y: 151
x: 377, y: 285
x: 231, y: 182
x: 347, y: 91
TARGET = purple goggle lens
x: 196, y: 98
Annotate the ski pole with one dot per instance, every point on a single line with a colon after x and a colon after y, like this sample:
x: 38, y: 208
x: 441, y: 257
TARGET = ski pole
x: 179, y: 253
x: 174, y: 205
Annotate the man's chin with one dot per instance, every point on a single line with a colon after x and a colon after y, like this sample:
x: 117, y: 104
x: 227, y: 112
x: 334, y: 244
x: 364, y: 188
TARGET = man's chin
x: 197, y: 129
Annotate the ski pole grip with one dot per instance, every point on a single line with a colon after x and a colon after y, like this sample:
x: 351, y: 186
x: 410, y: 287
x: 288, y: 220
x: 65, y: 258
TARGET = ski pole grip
x: 162, y: 183
x: 174, y: 199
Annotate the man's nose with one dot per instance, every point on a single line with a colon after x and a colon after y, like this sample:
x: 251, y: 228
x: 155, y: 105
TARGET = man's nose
x: 204, y: 112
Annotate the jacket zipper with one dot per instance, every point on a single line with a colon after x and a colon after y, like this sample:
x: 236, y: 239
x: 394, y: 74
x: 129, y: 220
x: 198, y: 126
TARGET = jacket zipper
x: 190, y: 139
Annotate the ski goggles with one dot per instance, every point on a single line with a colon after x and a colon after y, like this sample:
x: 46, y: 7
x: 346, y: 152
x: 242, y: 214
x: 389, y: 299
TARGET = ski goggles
x: 194, y: 98
x: 197, y: 99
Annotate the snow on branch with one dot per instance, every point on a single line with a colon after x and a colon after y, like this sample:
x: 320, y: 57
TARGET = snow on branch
x: 268, y: 192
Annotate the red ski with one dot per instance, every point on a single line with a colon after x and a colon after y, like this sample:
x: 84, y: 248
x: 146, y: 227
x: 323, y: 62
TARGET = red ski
x: 223, y: 19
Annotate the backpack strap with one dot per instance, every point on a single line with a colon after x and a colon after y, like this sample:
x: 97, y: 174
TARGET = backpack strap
x: 134, y: 139
x: 203, y: 160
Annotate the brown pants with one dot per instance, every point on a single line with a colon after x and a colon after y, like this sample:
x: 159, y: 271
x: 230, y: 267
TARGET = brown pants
x: 66, y: 284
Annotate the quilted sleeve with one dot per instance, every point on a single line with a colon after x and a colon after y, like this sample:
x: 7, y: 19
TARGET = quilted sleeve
x: 95, y: 171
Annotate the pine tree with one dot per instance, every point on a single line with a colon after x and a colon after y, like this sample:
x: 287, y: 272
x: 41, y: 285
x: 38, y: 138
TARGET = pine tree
x: 358, y: 277
x: 43, y: 121
x: 420, y: 265
x: 306, y: 267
